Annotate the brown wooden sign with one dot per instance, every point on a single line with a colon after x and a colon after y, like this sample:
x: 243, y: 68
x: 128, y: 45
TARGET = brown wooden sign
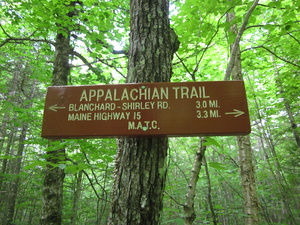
x: 217, y: 108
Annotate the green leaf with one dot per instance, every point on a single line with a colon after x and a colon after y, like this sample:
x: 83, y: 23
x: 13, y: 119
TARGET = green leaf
x: 275, y: 4
x: 61, y: 166
x: 217, y: 165
x: 35, y: 164
x: 211, y: 141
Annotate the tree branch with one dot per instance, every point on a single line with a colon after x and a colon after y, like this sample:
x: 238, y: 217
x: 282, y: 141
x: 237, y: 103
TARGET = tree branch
x: 90, y: 66
x: 11, y: 39
x: 172, y: 198
x: 273, y: 53
x: 94, y: 175
x: 263, y: 5
x: 111, y: 66
x: 85, y: 61
x: 208, y: 44
x: 185, y: 67
x: 294, y: 38
x: 16, y: 40
x: 89, y: 179
x: 107, y: 46
x: 101, y: 60
x: 254, y: 26
x: 237, y: 41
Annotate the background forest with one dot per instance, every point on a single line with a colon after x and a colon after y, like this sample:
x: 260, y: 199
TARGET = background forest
x: 99, y: 34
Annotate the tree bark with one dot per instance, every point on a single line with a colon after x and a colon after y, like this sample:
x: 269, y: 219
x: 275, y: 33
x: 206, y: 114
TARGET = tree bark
x: 235, y: 47
x: 209, y: 197
x: 140, y: 181
x: 54, y: 176
x: 189, y: 209
x: 141, y: 162
x: 76, y: 197
x: 251, y: 207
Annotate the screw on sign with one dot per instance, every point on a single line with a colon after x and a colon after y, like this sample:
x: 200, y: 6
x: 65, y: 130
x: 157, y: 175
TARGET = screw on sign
x: 217, y: 108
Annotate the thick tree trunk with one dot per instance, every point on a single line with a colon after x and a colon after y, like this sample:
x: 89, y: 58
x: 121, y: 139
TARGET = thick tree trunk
x: 140, y: 181
x: 141, y: 162
x: 152, y: 42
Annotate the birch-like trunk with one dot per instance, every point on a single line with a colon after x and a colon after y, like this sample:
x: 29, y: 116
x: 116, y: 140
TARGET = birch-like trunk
x: 234, y: 70
x: 76, y: 198
x: 189, y: 209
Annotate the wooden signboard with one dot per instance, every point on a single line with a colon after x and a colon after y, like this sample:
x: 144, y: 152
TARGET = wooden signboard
x: 146, y: 109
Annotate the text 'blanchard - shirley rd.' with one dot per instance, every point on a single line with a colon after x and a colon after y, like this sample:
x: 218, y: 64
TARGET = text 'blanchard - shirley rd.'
x: 114, y: 106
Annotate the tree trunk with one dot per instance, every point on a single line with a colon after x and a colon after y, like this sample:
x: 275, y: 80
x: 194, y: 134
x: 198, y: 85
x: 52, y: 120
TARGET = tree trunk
x: 4, y: 169
x: 54, y: 176
x: 287, y: 104
x: 14, y: 185
x: 140, y: 181
x: 3, y: 130
x: 251, y: 207
x: 141, y: 162
x: 248, y: 180
x: 76, y: 197
x: 209, y: 197
x: 189, y: 210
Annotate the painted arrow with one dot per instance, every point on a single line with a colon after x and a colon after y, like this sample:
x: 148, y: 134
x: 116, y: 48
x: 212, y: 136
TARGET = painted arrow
x: 55, y: 107
x: 236, y: 113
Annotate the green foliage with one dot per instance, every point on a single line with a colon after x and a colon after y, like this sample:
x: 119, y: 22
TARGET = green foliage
x: 211, y: 141
x: 270, y: 62
x: 217, y: 165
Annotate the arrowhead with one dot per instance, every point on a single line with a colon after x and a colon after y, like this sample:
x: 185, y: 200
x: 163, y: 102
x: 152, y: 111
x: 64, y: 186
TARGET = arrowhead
x: 53, y: 108
x: 238, y: 112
